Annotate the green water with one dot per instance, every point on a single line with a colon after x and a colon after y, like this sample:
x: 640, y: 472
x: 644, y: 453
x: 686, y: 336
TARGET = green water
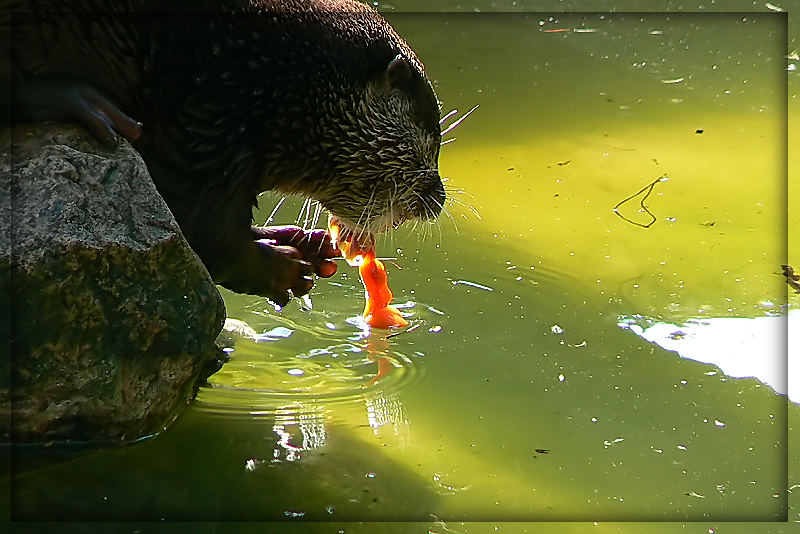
x: 515, y: 395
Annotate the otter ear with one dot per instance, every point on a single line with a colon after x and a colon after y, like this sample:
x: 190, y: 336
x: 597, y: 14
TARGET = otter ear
x: 398, y: 72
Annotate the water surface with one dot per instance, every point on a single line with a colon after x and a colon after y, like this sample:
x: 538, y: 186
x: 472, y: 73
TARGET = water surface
x: 526, y: 387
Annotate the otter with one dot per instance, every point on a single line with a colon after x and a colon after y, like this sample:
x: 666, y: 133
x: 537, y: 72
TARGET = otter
x: 225, y: 99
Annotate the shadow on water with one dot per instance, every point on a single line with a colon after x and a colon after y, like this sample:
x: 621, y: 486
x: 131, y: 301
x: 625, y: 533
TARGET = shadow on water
x: 209, y: 468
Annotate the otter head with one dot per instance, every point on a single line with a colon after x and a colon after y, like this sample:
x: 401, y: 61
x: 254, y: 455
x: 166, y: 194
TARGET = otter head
x: 380, y: 144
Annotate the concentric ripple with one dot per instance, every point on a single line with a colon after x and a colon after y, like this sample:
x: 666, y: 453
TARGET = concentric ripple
x: 308, y: 356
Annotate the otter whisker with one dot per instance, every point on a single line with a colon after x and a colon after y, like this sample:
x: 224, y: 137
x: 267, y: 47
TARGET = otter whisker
x: 447, y: 141
x: 441, y: 232
x: 412, y: 229
x: 475, y: 211
x: 300, y: 233
x: 368, y: 213
x: 308, y: 214
x: 392, y: 202
x: 362, y: 224
x: 390, y: 208
x: 458, y: 191
x: 458, y: 202
x: 317, y: 213
x: 274, y: 211
x: 447, y: 116
x: 452, y: 220
x: 427, y: 230
x: 424, y: 170
x: 414, y: 226
x: 443, y: 208
x: 423, y: 235
x: 303, y: 209
x: 459, y: 120
x: 453, y: 199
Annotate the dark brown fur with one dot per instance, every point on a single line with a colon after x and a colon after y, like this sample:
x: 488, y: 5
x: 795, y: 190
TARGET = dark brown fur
x: 319, y: 98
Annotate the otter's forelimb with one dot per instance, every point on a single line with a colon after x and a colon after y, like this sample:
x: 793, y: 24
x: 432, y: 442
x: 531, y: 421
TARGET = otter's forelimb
x: 277, y: 262
x: 70, y: 99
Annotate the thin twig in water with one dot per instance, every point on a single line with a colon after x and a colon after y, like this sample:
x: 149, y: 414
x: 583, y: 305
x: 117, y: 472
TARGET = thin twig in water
x: 407, y: 330
x: 647, y: 190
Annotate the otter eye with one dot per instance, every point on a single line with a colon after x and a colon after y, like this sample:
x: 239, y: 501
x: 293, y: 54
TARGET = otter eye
x: 398, y: 72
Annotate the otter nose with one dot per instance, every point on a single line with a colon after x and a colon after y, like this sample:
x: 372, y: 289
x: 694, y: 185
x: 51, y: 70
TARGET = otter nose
x: 432, y: 199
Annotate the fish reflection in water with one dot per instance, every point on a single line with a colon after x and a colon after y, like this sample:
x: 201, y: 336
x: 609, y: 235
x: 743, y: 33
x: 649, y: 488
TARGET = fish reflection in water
x: 299, y: 427
x: 307, y: 398
x: 386, y: 411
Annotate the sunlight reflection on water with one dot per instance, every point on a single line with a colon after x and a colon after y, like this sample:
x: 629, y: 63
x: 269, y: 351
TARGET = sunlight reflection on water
x: 740, y: 347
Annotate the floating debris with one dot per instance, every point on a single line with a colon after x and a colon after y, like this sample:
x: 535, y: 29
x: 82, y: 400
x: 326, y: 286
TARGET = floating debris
x: 293, y: 514
x: 791, y: 278
x: 407, y: 330
x: 472, y: 284
x: 646, y: 190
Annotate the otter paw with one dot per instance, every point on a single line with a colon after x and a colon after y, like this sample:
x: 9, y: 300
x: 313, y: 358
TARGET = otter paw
x: 314, y: 246
x: 283, y: 272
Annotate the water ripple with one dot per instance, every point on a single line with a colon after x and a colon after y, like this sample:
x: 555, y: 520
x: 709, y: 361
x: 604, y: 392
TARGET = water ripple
x: 328, y: 358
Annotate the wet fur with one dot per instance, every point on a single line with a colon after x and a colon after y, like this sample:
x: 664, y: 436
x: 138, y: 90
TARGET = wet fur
x: 238, y: 97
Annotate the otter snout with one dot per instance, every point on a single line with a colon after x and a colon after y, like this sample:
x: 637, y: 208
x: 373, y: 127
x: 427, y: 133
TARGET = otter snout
x: 431, y: 200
